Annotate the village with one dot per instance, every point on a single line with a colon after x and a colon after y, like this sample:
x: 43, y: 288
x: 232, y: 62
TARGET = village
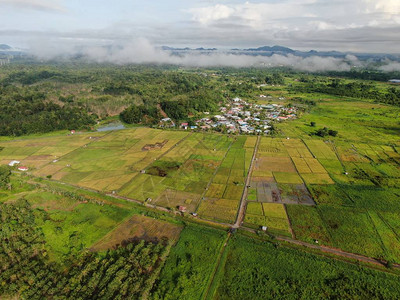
x: 239, y: 116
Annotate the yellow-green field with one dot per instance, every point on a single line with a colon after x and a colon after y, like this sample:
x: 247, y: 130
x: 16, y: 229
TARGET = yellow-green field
x: 206, y: 174
x: 271, y: 215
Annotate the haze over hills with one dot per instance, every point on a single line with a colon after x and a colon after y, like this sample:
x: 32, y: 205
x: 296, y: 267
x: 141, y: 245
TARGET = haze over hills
x: 5, y: 47
x: 282, y: 50
x: 142, y: 51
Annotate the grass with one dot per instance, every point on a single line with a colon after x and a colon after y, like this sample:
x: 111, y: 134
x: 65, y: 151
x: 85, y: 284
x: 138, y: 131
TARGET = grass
x: 317, y: 178
x: 173, y: 199
x: 274, y: 210
x: 221, y: 210
x: 272, y: 215
x: 320, y: 149
x: 284, y: 177
x: 307, y: 224
x: 355, y: 120
x: 215, y: 190
x: 356, y: 173
x: 292, y: 274
x: 390, y: 239
x: 189, y: 266
x: 352, y: 231
x: 254, y: 208
x: 138, y: 227
x: 68, y: 232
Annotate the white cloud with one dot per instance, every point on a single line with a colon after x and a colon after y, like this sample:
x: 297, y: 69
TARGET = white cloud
x: 390, y: 66
x: 142, y: 51
x: 384, y: 6
x: 302, y: 14
x: 205, y: 15
x: 39, y: 5
x: 343, y: 25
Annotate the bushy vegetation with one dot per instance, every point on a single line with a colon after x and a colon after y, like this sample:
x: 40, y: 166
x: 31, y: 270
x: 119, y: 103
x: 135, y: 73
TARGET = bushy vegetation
x: 355, y: 89
x: 201, y: 101
x: 353, y: 177
x: 323, y: 132
x: 25, y: 112
x: 366, y: 74
x: 5, y: 173
x: 275, y: 78
x: 188, y: 268
x: 27, y: 272
x: 163, y: 168
x: 140, y: 114
x: 259, y: 270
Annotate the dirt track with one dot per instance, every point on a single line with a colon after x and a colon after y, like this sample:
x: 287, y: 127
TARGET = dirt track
x: 334, y: 251
x: 242, y: 207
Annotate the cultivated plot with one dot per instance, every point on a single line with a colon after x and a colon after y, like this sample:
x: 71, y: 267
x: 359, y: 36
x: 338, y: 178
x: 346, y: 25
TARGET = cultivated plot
x: 138, y: 228
x: 270, y: 215
x: 223, y: 195
x: 183, y: 176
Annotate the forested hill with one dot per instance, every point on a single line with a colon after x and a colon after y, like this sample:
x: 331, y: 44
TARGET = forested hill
x: 42, y: 98
x: 355, y: 89
x: 26, y: 270
x: 24, y: 112
x: 39, y: 98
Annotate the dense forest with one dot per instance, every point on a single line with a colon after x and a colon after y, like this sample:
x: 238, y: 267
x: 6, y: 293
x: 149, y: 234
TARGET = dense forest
x: 24, y: 111
x: 290, y: 274
x: 355, y: 89
x: 27, y: 271
x: 365, y: 75
x: 38, y: 98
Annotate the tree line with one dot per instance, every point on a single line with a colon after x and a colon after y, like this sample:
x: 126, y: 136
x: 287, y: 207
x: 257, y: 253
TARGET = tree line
x: 389, y: 95
x: 27, y: 272
x: 26, y: 112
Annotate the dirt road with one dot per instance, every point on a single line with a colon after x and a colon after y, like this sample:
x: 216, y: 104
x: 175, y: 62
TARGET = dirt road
x: 242, y: 206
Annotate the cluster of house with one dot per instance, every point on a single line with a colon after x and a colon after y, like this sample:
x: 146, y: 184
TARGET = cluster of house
x: 239, y: 116
x: 14, y: 163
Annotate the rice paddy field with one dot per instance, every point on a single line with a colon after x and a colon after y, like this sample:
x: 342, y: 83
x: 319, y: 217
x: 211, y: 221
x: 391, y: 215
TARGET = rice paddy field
x: 339, y: 191
x: 222, y: 197
x: 204, y: 173
x: 257, y: 270
x: 138, y: 227
x: 364, y: 169
x: 336, y: 190
x: 271, y: 215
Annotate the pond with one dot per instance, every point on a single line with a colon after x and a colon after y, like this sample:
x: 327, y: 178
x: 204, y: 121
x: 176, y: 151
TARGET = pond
x: 111, y: 126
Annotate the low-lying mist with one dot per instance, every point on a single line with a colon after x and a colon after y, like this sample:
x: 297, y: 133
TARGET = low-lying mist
x: 143, y: 52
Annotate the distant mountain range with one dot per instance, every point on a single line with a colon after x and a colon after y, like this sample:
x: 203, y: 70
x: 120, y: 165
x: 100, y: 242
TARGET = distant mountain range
x: 281, y: 50
x: 166, y: 48
x: 6, y: 50
x: 272, y: 49
x: 5, y: 47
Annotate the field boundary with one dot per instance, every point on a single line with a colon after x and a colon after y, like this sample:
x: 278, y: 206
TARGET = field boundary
x: 217, y: 267
x: 75, y: 149
x: 157, y: 158
x: 212, y: 178
x: 289, y: 222
x: 243, y: 201
x: 326, y: 249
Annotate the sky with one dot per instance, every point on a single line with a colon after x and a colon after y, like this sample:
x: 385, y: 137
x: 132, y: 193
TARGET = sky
x: 371, y: 26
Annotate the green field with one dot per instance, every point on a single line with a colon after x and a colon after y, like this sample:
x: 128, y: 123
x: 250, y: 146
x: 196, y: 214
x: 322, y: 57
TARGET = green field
x: 271, y: 215
x: 222, y: 198
x: 257, y: 270
x: 134, y: 212
x: 188, y: 268
x: 205, y: 173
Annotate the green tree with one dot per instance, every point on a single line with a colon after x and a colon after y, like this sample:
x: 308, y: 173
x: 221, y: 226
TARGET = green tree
x: 5, y: 174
